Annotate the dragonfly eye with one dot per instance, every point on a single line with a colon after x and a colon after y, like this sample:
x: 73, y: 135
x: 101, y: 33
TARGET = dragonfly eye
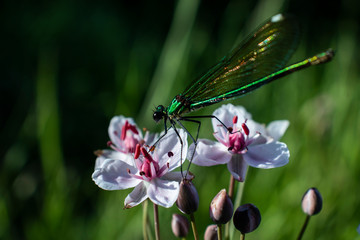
x: 159, y: 113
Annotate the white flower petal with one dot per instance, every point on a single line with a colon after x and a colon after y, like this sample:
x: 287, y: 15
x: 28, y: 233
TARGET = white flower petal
x: 237, y: 166
x: 256, y: 128
x: 276, y: 129
x: 226, y: 114
x: 115, y: 129
x: 150, y: 138
x: 163, y: 193
x: 171, y: 143
x: 112, y: 175
x: 137, y: 196
x: 270, y: 155
x: 209, y: 153
x: 174, y: 176
x: 110, y: 154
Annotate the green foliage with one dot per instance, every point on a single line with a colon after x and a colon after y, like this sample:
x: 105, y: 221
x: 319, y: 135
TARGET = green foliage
x: 68, y: 67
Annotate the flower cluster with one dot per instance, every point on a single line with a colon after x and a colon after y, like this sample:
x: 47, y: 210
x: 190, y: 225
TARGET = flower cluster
x: 130, y: 163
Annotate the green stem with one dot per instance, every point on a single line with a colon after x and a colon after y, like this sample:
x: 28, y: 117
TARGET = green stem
x: 237, y: 203
x: 219, y: 231
x: 193, y: 225
x: 231, y: 186
x: 156, y: 222
x: 231, y: 194
x: 304, y: 227
x: 145, y: 219
x: 242, y: 236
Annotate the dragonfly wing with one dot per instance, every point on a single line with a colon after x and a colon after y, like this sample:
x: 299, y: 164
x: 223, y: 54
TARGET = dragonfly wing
x: 265, y: 51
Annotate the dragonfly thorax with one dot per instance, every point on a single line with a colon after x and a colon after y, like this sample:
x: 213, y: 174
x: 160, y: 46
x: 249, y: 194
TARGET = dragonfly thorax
x: 159, y: 113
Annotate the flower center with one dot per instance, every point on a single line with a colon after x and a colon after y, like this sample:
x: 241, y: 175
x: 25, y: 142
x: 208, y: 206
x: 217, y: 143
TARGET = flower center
x: 149, y: 168
x: 237, y: 140
x: 127, y: 136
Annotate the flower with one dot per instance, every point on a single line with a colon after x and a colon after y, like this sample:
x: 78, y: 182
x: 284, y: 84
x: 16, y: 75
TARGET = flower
x: 125, y: 135
x: 250, y: 143
x: 149, y: 172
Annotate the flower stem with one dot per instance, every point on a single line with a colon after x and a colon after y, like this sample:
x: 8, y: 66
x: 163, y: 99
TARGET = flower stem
x: 145, y: 219
x: 304, y: 227
x: 156, y: 222
x: 231, y: 186
x: 237, y: 203
x: 219, y: 231
x: 193, y: 225
x: 242, y: 236
x: 231, y: 194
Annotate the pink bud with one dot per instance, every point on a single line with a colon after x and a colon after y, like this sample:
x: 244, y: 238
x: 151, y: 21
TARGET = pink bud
x: 221, y: 208
x: 180, y: 225
x: 311, y: 202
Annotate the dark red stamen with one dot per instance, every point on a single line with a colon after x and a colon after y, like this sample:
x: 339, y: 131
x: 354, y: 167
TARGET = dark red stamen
x: 123, y: 130
x: 128, y: 170
x: 133, y: 129
x: 230, y: 129
x: 137, y: 151
x: 235, y: 119
x: 145, y: 153
x: 170, y: 154
x: 109, y: 143
x: 246, y: 129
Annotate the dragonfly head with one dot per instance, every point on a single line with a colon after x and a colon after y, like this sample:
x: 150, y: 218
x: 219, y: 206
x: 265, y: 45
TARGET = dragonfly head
x: 159, y: 113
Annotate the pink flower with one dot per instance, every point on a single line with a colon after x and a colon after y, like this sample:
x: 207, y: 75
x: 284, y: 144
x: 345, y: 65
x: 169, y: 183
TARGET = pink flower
x: 249, y: 143
x: 149, y: 172
x: 125, y: 135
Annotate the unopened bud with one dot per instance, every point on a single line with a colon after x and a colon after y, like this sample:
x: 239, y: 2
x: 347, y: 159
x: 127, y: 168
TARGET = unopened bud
x: 247, y: 218
x: 211, y: 232
x: 188, y: 199
x: 221, y: 208
x: 311, y: 202
x: 179, y: 225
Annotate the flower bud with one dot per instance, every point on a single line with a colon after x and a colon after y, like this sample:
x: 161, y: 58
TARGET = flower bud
x: 311, y: 202
x: 180, y: 225
x: 211, y: 232
x: 188, y: 199
x: 247, y: 218
x: 221, y: 208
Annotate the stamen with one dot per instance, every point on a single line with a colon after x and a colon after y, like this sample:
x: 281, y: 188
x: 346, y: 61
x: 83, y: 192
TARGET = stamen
x: 137, y: 151
x: 245, y: 128
x: 145, y: 153
x: 109, y: 143
x: 133, y: 129
x: 128, y: 170
x: 170, y: 154
x: 123, y: 130
x: 235, y: 119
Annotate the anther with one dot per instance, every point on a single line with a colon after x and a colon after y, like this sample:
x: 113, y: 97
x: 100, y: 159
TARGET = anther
x: 137, y: 151
x: 235, y: 119
x: 245, y: 128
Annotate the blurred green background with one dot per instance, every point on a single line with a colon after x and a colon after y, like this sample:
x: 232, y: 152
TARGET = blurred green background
x: 67, y: 67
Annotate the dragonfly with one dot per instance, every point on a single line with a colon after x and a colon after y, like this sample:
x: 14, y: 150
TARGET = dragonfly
x: 256, y: 61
